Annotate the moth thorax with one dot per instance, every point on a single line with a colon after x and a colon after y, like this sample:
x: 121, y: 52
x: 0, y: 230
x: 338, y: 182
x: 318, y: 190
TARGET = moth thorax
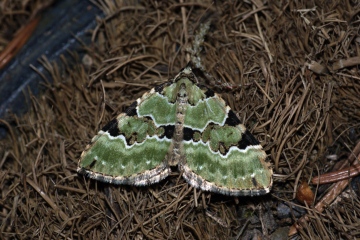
x: 182, y: 101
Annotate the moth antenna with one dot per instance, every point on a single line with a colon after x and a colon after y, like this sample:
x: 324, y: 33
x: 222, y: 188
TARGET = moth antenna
x: 198, y: 45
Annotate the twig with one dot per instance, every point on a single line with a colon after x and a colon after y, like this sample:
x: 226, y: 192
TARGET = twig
x: 18, y: 41
x: 336, y: 176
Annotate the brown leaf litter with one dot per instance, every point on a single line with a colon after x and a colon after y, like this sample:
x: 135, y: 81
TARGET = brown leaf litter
x: 292, y: 68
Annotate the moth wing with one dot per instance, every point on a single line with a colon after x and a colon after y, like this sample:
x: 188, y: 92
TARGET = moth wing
x: 131, y: 149
x: 226, y: 158
x: 240, y: 174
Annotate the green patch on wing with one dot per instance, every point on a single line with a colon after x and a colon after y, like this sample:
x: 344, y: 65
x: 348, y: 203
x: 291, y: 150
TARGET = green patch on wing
x: 159, y: 109
x: 234, y: 170
x: 111, y: 156
x: 209, y: 111
x: 137, y: 128
x: 226, y: 135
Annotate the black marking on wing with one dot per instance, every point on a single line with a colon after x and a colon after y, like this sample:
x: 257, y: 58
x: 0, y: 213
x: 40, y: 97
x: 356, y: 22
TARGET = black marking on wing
x: 208, y: 92
x: 169, y: 131
x: 109, y: 125
x: 92, y: 164
x: 254, y: 182
x: 131, y: 110
x: 114, y: 131
x: 188, y: 134
x: 198, y: 73
x: 112, y: 128
x: 247, y: 139
x: 232, y: 119
x: 160, y: 88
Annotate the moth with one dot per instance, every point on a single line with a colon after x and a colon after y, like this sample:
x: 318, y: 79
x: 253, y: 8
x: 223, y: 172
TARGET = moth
x: 185, y: 124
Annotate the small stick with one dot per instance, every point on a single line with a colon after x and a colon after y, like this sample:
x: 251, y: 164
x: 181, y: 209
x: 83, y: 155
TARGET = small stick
x: 18, y: 41
x: 336, y: 176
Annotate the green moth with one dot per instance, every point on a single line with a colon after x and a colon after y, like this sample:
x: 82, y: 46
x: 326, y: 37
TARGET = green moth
x: 179, y: 123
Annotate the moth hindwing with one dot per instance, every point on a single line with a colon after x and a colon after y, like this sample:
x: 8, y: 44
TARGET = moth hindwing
x: 179, y: 123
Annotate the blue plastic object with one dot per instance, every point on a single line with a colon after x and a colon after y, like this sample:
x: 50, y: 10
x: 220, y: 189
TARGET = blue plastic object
x: 57, y: 33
